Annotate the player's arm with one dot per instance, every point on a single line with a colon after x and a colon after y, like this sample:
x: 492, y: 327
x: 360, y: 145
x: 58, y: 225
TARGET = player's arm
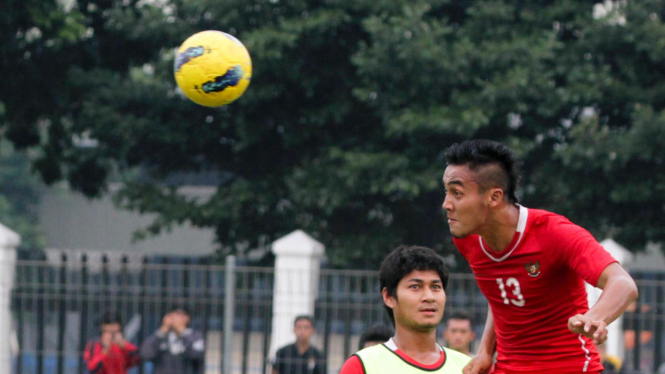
x: 482, y: 363
x: 154, y: 346
x: 277, y: 362
x: 132, y: 356
x: 93, y: 358
x: 619, y: 291
x: 321, y: 364
x: 194, y: 346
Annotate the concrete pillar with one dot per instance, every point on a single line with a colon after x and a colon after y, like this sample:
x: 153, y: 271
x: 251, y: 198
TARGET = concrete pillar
x: 9, y: 240
x: 614, y: 344
x: 297, y: 264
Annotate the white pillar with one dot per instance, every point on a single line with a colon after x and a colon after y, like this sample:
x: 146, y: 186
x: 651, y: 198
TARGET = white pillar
x: 297, y: 264
x: 9, y: 240
x: 614, y: 344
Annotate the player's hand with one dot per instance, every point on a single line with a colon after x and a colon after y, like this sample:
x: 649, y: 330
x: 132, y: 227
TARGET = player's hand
x: 119, y: 340
x: 106, y: 340
x: 480, y: 364
x: 167, y: 323
x: 596, y: 330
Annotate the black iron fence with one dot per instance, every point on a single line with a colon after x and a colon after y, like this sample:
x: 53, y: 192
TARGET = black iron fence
x: 644, y: 326
x: 56, y: 303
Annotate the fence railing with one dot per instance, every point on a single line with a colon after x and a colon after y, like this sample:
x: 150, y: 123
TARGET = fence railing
x: 55, y: 306
x: 644, y: 326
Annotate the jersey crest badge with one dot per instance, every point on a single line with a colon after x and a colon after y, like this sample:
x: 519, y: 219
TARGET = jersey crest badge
x: 533, y: 268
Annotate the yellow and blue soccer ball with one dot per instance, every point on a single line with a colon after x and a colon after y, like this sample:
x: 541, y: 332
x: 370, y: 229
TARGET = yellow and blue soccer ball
x: 212, y: 68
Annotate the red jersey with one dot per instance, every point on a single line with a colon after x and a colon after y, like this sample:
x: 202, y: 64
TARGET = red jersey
x: 116, y: 361
x: 533, y: 287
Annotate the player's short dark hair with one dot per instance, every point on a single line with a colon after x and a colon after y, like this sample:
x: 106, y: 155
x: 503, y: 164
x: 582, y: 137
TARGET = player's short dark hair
x: 402, y: 261
x: 378, y: 333
x: 304, y: 317
x: 109, y: 317
x: 482, y: 152
x: 461, y: 315
x: 181, y: 310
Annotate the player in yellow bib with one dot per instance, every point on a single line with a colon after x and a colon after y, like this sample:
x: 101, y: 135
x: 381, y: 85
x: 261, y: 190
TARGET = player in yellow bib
x: 413, y: 282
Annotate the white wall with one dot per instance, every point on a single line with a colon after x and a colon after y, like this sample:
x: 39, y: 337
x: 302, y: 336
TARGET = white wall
x: 297, y: 265
x: 70, y: 220
x: 9, y: 240
x: 614, y: 345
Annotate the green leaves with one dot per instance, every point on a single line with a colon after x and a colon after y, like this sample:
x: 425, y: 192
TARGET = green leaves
x: 351, y: 106
x: 19, y: 197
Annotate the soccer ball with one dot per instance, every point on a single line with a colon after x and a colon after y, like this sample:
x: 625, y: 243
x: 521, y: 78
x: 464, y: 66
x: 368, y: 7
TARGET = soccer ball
x: 212, y: 68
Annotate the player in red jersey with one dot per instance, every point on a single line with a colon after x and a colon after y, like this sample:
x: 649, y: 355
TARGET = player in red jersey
x: 531, y: 266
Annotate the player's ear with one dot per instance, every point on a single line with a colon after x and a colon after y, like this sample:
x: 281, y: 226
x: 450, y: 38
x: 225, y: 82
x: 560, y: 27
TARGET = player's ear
x: 387, y: 298
x: 495, y: 196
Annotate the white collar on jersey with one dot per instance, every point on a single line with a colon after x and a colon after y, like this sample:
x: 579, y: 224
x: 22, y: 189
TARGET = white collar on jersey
x: 521, y: 227
x: 393, y: 347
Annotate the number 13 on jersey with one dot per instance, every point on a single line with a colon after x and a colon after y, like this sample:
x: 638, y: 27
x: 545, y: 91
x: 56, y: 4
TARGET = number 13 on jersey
x: 517, y: 299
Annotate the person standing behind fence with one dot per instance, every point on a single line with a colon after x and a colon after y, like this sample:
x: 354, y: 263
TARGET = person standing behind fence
x: 375, y: 335
x: 175, y: 348
x: 413, y: 282
x: 459, y: 333
x: 111, y: 354
x: 300, y: 357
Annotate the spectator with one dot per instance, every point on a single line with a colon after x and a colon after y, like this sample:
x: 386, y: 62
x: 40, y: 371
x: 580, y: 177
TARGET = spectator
x: 375, y: 335
x: 611, y: 363
x: 111, y: 354
x: 300, y: 357
x: 459, y: 333
x: 175, y: 348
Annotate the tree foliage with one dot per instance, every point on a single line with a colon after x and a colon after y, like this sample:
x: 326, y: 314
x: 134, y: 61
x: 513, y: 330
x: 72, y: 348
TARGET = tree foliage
x: 19, y: 197
x: 352, y: 103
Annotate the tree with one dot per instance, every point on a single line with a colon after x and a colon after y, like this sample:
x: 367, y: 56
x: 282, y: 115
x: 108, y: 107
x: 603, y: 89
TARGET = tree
x: 352, y: 103
x: 19, y: 197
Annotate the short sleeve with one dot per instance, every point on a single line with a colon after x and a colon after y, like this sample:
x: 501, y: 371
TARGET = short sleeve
x: 278, y: 361
x: 320, y: 362
x: 580, y: 251
x: 353, y: 366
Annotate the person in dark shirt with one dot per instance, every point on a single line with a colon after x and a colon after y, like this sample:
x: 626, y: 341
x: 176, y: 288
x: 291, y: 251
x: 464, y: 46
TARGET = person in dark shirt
x: 459, y: 332
x: 300, y: 357
x: 175, y: 348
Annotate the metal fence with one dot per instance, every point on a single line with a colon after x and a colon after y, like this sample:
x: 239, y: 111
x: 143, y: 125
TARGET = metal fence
x: 56, y: 304
x: 644, y: 326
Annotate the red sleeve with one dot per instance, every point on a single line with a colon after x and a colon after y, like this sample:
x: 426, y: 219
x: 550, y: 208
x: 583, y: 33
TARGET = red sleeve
x: 581, y: 252
x: 93, y: 356
x: 353, y: 366
x: 132, y: 357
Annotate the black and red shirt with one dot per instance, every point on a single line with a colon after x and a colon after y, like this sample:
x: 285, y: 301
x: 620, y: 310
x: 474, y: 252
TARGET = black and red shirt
x: 116, y: 361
